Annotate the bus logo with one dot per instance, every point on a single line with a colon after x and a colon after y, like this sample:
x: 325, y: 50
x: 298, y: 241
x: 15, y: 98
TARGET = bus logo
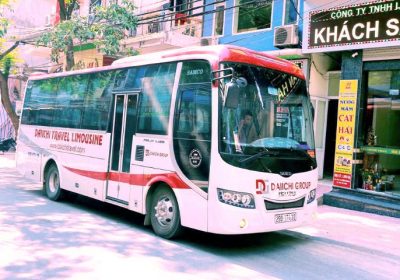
x: 195, y: 158
x: 261, y: 186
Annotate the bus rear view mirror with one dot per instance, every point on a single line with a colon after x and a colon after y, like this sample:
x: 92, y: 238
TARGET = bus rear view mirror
x: 232, y: 92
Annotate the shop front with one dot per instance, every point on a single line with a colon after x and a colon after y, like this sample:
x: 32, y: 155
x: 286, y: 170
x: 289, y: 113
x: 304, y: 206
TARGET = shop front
x: 366, y: 36
x: 381, y: 163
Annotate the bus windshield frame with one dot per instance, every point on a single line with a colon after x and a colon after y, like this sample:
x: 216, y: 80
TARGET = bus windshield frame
x: 268, y: 125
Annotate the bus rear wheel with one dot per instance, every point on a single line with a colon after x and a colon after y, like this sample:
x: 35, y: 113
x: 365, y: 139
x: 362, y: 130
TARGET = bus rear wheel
x: 164, y: 213
x: 52, y: 184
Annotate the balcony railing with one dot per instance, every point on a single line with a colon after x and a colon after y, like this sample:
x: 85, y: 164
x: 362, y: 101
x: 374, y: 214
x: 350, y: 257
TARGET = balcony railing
x: 167, y: 23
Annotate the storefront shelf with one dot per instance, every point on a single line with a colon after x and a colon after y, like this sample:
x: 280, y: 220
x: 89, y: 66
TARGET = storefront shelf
x: 380, y: 150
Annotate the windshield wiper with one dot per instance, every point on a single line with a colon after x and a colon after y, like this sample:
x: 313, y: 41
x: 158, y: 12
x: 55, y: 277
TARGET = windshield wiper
x: 258, y: 155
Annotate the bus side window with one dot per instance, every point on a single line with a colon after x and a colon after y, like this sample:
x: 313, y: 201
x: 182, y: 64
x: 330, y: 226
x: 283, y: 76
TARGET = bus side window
x: 97, y: 101
x: 39, y: 103
x: 194, y: 114
x: 69, y: 102
x: 156, y: 86
x: 185, y: 113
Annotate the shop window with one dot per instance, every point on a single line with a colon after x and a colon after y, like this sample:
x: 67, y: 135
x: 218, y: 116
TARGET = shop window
x: 381, y: 170
x: 291, y: 11
x: 252, y: 15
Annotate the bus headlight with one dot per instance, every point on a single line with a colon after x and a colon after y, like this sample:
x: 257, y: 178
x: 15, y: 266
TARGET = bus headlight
x: 238, y: 199
x: 311, y: 196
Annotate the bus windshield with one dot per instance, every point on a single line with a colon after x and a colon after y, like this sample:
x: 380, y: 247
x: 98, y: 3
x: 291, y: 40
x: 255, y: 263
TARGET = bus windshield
x: 268, y: 125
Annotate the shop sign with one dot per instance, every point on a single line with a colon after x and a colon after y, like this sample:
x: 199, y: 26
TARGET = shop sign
x: 368, y: 25
x: 345, y: 133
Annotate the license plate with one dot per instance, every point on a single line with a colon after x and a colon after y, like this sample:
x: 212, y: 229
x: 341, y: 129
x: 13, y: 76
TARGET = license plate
x: 285, y: 218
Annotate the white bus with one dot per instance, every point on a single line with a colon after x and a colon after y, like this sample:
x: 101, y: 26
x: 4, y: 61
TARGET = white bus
x: 218, y: 139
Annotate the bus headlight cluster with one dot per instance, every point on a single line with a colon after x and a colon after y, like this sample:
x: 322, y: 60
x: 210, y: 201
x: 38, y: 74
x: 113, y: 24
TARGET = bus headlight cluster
x: 311, y: 196
x: 238, y: 199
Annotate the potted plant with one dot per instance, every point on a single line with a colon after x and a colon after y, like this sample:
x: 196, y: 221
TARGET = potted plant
x: 371, y: 177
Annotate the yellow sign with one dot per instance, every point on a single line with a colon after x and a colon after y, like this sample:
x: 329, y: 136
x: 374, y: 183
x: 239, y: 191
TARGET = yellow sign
x: 348, y: 87
x: 346, y: 120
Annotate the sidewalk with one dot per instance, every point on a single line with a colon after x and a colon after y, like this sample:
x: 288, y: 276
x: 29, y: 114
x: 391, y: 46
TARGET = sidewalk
x: 356, y: 229
x: 323, y: 187
x: 358, y: 199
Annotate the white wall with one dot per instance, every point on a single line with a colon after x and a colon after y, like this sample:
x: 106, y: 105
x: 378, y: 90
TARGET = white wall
x: 319, y: 66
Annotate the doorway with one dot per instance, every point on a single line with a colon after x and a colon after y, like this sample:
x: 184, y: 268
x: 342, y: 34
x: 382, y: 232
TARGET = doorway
x: 124, y: 128
x: 330, y: 140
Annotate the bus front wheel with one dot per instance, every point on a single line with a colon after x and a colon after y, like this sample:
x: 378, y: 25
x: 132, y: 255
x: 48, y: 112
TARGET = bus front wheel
x: 164, y: 213
x: 52, y: 184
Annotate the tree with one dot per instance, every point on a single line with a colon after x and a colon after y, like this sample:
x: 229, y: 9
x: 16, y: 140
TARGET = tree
x: 105, y: 27
x: 7, y: 59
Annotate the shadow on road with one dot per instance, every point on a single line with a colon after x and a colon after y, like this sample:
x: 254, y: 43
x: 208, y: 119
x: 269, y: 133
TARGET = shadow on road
x: 83, y: 238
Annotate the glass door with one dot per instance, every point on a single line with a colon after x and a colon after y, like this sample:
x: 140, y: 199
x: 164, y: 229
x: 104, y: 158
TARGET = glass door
x: 124, y: 128
x: 320, y: 115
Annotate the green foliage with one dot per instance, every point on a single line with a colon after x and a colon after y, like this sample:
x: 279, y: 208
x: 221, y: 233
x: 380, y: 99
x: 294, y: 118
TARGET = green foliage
x: 7, y: 60
x: 105, y: 28
x: 3, y: 21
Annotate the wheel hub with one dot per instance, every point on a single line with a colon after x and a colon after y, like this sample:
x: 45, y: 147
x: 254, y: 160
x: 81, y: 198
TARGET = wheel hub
x: 164, y: 211
x: 53, y: 182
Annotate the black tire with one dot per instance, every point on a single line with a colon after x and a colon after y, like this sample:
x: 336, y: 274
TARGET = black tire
x: 164, y: 213
x: 52, y: 184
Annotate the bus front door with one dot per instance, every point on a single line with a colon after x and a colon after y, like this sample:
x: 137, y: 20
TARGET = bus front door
x: 124, y: 127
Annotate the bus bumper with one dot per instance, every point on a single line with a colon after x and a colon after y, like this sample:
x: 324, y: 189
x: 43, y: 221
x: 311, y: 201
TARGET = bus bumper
x: 233, y: 220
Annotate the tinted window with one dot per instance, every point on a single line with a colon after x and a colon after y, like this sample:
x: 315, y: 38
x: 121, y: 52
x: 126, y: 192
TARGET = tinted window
x: 70, y: 99
x: 78, y: 101
x: 195, y: 72
x: 156, y: 83
x: 97, y: 101
x: 40, y: 102
x: 194, y: 113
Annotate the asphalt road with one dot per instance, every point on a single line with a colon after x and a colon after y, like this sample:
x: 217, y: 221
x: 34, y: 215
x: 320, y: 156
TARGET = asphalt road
x: 84, y: 239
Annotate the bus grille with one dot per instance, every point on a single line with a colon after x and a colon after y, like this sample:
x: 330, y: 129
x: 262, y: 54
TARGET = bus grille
x: 269, y: 205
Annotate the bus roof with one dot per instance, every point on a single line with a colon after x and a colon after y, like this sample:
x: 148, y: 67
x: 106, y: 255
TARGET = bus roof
x: 215, y: 54
x: 218, y: 53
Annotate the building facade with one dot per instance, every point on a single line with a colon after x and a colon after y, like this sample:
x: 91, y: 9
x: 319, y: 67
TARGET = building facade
x: 253, y: 24
x: 356, y: 49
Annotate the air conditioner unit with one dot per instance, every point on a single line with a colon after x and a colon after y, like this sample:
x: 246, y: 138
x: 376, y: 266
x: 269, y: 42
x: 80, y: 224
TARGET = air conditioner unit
x: 209, y: 41
x: 286, y: 35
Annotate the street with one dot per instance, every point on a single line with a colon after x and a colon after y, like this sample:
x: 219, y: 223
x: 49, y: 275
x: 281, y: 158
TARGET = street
x: 84, y: 239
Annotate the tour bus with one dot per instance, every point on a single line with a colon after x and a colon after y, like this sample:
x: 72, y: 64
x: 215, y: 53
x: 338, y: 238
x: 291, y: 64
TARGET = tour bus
x: 217, y: 138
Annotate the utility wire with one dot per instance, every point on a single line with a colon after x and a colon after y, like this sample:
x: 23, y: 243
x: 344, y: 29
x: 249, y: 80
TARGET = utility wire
x: 270, y: 36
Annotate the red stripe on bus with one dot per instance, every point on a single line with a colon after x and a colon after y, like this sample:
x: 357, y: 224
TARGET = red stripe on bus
x: 91, y: 174
x: 172, y: 179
